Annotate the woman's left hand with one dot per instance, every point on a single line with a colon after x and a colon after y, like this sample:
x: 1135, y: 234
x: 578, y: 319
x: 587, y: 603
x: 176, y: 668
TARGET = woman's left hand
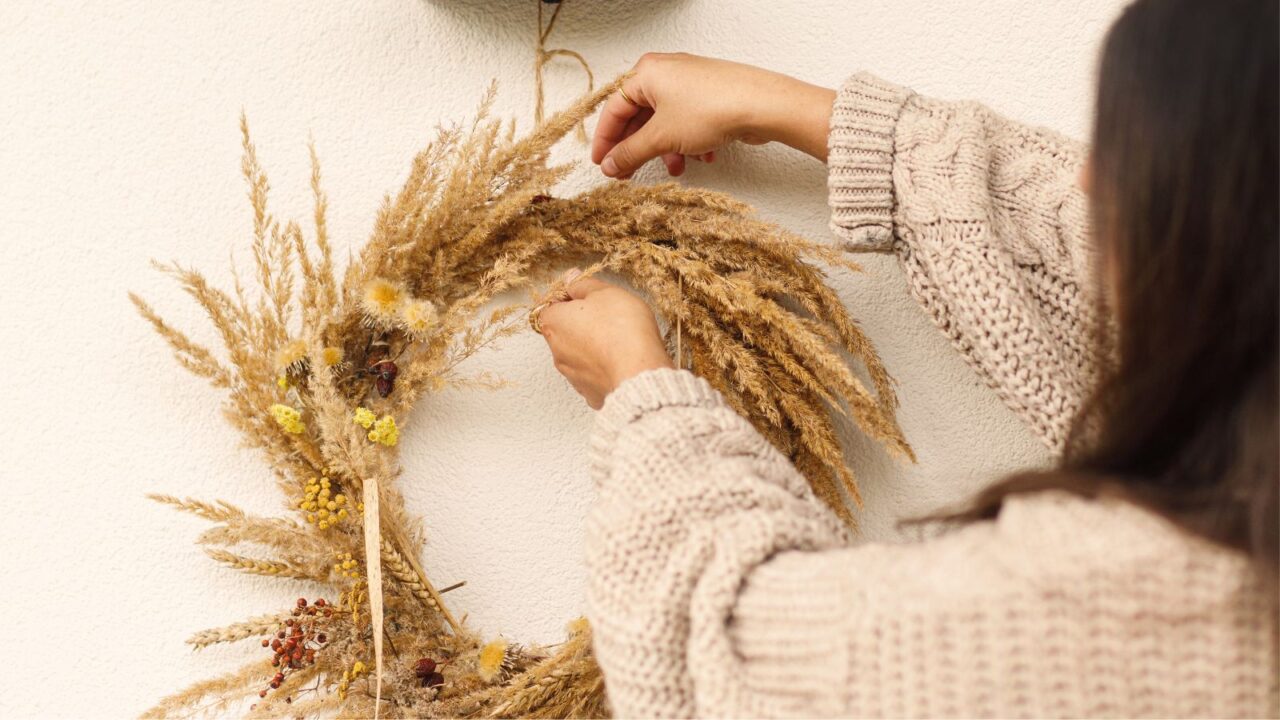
x: 601, y: 336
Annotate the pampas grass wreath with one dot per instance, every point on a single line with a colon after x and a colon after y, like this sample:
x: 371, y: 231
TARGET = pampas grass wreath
x: 321, y: 374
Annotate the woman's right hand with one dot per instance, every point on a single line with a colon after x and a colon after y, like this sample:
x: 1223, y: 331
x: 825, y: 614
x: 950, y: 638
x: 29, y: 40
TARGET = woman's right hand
x: 684, y: 105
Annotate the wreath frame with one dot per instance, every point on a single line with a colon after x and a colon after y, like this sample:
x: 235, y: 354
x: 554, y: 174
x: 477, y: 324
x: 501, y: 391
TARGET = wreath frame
x: 320, y: 375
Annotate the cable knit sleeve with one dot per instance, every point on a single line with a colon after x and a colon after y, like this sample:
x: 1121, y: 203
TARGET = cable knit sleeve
x: 690, y: 500
x: 718, y: 586
x: 990, y: 226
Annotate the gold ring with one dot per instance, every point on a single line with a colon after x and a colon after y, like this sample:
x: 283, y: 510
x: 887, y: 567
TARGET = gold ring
x: 626, y: 97
x: 535, y: 316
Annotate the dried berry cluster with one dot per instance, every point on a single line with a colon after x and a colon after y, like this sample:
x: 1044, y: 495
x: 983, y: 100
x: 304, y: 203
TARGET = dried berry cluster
x: 299, y: 639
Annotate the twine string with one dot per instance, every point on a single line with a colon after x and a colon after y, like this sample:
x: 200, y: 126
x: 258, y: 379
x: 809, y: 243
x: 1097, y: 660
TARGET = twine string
x: 543, y: 56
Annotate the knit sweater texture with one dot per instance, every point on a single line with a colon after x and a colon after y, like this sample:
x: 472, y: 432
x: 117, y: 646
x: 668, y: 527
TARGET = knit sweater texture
x: 720, y: 587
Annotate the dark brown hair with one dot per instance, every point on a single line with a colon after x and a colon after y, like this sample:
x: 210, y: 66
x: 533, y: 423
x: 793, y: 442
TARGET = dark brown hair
x: 1184, y: 206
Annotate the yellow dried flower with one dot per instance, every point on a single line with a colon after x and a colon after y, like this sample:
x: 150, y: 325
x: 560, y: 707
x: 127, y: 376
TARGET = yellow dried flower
x: 292, y: 357
x: 364, y: 417
x: 385, y: 431
x: 346, y: 566
x: 492, y: 659
x: 323, y: 508
x: 417, y: 317
x: 331, y: 355
x: 381, y: 302
x: 347, y: 676
x: 289, y: 419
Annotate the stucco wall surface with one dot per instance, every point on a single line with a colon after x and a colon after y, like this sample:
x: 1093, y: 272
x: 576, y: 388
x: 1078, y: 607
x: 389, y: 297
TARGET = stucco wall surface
x: 118, y: 144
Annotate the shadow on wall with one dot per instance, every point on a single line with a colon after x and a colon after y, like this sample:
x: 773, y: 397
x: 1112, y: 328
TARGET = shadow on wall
x: 577, y: 15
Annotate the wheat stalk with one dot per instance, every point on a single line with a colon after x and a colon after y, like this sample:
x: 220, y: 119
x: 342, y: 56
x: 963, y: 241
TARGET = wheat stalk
x: 253, y: 627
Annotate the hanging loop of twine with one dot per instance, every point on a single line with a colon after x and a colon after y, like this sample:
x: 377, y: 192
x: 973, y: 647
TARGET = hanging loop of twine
x: 543, y: 55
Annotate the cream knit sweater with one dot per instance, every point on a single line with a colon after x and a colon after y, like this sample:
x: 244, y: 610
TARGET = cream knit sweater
x: 720, y: 587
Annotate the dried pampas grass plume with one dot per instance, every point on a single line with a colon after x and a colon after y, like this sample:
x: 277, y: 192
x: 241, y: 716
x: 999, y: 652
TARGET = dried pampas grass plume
x: 747, y: 307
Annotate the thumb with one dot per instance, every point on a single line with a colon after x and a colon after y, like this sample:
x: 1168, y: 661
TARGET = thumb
x: 579, y: 289
x: 627, y: 156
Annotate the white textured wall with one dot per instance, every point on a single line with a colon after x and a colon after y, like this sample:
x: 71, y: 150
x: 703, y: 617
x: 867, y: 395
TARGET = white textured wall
x: 118, y: 143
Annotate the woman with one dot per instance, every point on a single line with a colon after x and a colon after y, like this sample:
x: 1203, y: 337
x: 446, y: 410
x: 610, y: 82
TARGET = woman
x: 1136, y: 578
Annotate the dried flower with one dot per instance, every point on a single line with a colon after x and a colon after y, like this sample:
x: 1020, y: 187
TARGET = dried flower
x: 323, y: 506
x: 289, y: 419
x: 381, y: 302
x: 492, y: 659
x: 356, y: 671
x: 331, y: 356
x: 292, y: 356
x: 364, y: 417
x: 346, y: 566
x: 385, y: 431
x: 418, y: 317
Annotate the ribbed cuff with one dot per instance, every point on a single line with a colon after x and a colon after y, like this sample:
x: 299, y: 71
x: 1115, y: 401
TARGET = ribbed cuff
x: 647, y: 392
x: 860, y: 162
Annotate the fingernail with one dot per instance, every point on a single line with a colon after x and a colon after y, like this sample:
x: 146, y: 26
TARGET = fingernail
x: 571, y: 275
x: 609, y: 167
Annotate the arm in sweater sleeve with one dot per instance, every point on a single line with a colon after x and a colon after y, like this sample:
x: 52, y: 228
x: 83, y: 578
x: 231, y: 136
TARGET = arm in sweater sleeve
x: 690, y: 500
x: 719, y: 587
x: 989, y: 223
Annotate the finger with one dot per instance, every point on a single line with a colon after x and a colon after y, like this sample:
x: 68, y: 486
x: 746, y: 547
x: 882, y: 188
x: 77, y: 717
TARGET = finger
x: 634, y: 124
x: 614, y: 116
x: 601, y: 146
x: 674, y: 163
x: 549, y: 319
x: 583, y: 287
x: 627, y: 156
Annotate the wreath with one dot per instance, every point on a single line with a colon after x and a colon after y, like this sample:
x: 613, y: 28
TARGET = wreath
x: 321, y: 374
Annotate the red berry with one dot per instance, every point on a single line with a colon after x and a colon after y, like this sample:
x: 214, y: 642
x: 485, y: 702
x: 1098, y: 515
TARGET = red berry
x: 266, y: 643
x: 280, y: 634
x: 320, y: 602
x: 262, y: 693
x: 435, y: 679
x: 302, y: 602
x: 424, y: 667
x: 322, y: 638
x: 288, y: 623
